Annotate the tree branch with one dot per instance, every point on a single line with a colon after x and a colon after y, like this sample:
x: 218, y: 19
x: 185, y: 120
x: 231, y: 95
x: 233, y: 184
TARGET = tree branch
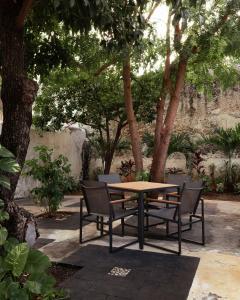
x: 105, y: 66
x: 26, y: 6
x: 153, y: 10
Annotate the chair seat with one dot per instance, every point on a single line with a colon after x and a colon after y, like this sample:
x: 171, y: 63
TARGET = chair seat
x: 121, y: 213
x: 165, y: 213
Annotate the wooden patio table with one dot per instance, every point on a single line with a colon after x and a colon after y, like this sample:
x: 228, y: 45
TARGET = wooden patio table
x: 141, y: 187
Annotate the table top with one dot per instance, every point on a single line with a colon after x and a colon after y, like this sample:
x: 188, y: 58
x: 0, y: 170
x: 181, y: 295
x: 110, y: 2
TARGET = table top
x: 141, y: 186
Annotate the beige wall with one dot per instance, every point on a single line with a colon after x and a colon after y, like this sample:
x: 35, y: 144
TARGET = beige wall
x: 68, y: 142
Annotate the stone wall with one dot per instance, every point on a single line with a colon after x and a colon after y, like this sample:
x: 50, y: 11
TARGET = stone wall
x: 200, y: 116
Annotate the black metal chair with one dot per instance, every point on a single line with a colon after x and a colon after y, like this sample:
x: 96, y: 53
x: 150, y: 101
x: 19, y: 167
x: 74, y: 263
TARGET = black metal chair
x: 99, y: 204
x: 183, y: 212
x: 112, y: 178
x: 178, y: 179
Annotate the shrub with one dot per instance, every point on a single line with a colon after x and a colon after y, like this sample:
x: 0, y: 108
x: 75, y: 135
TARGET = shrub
x: 143, y: 176
x: 54, y: 177
x: 23, y: 271
x: 127, y: 168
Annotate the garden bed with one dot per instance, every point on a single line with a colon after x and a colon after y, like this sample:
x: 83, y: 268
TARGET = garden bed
x: 59, y: 215
x: 61, y: 271
x: 222, y: 196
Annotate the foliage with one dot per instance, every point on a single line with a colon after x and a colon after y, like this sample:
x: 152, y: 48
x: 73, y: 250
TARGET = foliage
x: 126, y: 168
x: 196, y: 162
x: 7, y: 164
x: 74, y: 94
x: 225, y: 140
x: 228, y: 142
x: 23, y: 273
x: 143, y: 176
x: 180, y: 142
x: 174, y: 170
x: 53, y: 175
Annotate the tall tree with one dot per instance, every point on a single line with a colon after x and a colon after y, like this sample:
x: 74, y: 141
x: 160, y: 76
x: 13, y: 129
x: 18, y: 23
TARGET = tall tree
x: 123, y: 31
x: 195, y: 24
x: 17, y: 94
x: 18, y: 91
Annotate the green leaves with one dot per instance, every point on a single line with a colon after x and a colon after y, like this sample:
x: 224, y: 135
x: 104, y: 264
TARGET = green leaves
x: 3, y: 235
x: 16, y: 258
x: 33, y: 286
x: 9, y: 165
x: 22, y: 270
x: 54, y: 176
x: 36, y: 258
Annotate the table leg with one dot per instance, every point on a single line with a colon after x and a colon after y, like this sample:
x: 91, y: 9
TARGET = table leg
x: 141, y: 219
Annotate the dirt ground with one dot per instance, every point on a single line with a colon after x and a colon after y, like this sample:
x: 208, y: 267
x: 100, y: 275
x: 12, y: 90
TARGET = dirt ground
x: 222, y: 196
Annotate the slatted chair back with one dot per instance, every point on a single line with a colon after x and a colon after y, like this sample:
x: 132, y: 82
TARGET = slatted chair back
x: 96, y: 197
x: 111, y: 178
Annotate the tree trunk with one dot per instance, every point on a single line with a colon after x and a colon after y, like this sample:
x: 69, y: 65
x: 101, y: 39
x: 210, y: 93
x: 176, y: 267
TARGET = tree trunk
x: 17, y: 94
x: 110, y: 154
x: 132, y: 122
x: 160, y: 154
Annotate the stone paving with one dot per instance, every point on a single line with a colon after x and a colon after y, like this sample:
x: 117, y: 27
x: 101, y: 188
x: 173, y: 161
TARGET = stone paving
x: 218, y: 273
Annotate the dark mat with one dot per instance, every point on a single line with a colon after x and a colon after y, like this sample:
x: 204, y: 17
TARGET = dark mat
x: 159, y: 232
x: 70, y: 222
x: 152, y: 276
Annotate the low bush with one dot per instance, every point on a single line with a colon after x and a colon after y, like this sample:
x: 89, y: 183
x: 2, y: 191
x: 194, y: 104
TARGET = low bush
x: 53, y: 176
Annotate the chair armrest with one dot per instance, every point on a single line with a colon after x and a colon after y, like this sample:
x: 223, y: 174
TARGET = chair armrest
x: 164, y: 201
x: 173, y: 195
x: 121, y: 201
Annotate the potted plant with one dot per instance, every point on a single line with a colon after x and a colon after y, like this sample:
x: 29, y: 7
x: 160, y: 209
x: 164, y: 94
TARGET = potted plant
x: 127, y: 170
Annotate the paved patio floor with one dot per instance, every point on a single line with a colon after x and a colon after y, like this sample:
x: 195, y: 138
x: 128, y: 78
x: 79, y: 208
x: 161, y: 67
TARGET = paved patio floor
x: 218, y: 272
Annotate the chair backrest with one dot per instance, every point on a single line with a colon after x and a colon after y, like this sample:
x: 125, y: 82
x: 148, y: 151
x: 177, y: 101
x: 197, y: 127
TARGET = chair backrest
x: 96, y: 197
x: 111, y: 178
x: 178, y: 179
x: 195, y: 184
x: 190, y: 197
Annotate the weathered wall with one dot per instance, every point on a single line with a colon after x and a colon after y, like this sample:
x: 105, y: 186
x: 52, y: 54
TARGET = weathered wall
x: 68, y: 142
x: 197, y: 116
x: 200, y: 116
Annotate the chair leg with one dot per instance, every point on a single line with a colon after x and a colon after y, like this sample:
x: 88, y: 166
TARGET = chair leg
x: 203, y: 225
x: 167, y: 228
x: 147, y: 220
x: 81, y: 222
x: 110, y: 235
x: 101, y: 223
x: 179, y: 231
x: 97, y: 223
x: 122, y: 225
x: 190, y: 223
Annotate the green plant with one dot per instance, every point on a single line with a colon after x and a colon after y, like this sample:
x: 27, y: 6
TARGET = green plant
x: 54, y: 177
x: 228, y: 142
x: 143, y: 176
x: 126, y: 168
x: 180, y: 142
x: 23, y: 271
